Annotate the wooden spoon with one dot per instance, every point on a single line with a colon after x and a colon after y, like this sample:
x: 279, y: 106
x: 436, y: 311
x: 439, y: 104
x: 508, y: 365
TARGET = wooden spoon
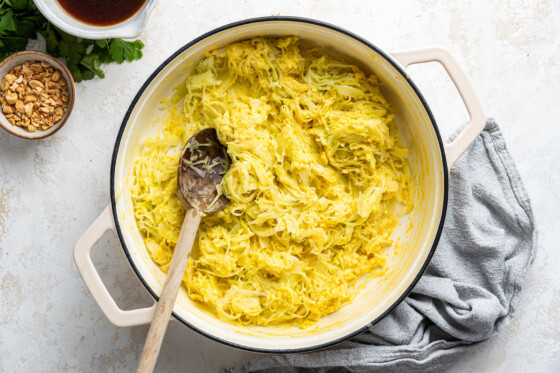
x: 201, y: 169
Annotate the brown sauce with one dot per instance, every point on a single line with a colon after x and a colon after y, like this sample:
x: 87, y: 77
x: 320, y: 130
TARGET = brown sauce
x: 101, y: 12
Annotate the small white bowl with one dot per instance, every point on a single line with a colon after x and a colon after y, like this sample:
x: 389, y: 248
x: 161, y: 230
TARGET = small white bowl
x: 129, y: 28
x: 25, y: 56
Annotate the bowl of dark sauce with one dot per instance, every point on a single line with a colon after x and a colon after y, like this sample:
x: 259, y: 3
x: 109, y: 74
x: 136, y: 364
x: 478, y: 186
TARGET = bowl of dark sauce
x: 99, y: 19
x: 101, y: 12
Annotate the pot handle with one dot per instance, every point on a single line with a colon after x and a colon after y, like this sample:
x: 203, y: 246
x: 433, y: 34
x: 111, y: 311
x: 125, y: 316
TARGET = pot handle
x: 477, y: 121
x: 104, y: 300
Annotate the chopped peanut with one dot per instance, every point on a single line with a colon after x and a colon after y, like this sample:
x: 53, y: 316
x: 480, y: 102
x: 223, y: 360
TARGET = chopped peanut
x: 34, y: 96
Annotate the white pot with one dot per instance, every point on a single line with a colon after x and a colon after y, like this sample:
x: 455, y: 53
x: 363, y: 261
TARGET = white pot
x: 418, y: 232
x: 129, y: 28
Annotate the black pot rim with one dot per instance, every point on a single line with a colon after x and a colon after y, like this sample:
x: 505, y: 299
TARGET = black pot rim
x: 316, y: 23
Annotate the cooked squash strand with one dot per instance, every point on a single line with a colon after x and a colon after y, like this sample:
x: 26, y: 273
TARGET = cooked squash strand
x: 317, y: 178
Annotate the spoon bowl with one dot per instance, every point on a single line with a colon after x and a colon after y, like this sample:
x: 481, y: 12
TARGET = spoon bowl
x: 201, y: 170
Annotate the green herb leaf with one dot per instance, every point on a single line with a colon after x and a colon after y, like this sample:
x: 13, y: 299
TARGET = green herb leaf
x: 87, y: 74
x: 7, y: 22
x: 65, y: 36
x: 73, y: 51
x: 76, y: 73
x: 14, y: 43
x: 91, y: 62
x: 21, y: 4
x: 50, y: 39
x: 102, y: 43
x: 25, y: 28
x: 121, y: 50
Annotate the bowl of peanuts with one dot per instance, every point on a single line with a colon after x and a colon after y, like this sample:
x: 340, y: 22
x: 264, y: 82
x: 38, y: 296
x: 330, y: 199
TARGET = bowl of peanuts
x: 36, y: 94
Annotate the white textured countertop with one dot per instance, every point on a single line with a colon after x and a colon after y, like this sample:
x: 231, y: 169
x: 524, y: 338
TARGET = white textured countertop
x: 51, y: 190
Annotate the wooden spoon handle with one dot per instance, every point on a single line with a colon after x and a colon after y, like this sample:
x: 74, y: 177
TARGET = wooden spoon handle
x: 169, y: 292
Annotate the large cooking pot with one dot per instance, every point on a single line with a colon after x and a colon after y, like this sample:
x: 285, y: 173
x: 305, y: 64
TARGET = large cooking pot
x: 417, y: 233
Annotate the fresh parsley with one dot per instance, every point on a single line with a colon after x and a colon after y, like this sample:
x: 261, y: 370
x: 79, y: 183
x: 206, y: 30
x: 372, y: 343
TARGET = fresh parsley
x: 20, y: 21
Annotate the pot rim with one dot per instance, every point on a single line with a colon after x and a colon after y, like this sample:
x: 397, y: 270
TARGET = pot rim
x: 403, y: 74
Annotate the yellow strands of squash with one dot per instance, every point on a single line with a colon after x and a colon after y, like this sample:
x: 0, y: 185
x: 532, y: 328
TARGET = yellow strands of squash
x: 316, y: 179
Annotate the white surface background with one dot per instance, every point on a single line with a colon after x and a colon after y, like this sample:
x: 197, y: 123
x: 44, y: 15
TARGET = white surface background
x: 52, y: 189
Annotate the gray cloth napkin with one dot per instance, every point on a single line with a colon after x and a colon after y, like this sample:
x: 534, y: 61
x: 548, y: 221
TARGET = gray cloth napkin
x: 470, y: 289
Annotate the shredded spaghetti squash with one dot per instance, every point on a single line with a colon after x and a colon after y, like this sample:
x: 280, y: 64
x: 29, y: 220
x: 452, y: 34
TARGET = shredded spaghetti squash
x: 316, y: 182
